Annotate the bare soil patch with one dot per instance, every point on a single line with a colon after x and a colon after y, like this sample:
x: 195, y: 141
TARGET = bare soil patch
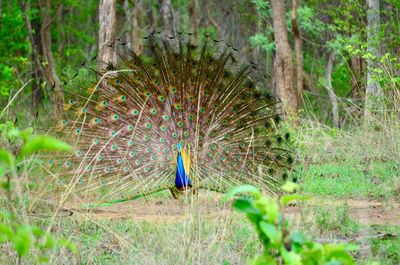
x: 364, y: 211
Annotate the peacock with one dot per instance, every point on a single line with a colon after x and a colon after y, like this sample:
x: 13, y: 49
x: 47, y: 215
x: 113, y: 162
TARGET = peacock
x: 179, y: 118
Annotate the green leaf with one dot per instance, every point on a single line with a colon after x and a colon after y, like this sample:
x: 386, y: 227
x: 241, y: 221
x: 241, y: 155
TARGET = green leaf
x: 269, y: 206
x: 290, y: 187
x: 5, y: 185
x: 37, y: 231
x: 352, y: 247
x: 254, y: 217
x: 25, y: 134
x: 2, y: 171
x: 290, y: 257
x: 13, y: 134
x: 241, y: 189
x: 333, y: 262
x: 245, y: 205
x: 22, y: 240
x: 286, y: 199
x: 338, y: 252
x: 7, y: 158
x: 49, y: 242
x: 263, y: 260
x: 6, y: 233
x: 44, y: 143
x: 270, y: 231
x: 298, y: 237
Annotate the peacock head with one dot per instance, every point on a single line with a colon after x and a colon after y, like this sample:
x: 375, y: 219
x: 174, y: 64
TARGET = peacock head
x: 179, y: 147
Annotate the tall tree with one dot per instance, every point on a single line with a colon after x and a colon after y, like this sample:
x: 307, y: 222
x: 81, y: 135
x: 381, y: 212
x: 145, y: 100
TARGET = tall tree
x: 137, y: 42
x: 283, y: 65
x: 329, y: 88
x: 297, y: 48
x: 33, y: 29
x: 57, y: 93
x: 44, y: 67
x: 107, y: 34
x: 193, y: 7
x: 168, y: 23
x: 374, y: 94
x: 133, y: 25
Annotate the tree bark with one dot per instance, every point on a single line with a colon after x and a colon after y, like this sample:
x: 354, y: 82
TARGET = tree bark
x: 133, y: 25
x: 57, y: 94
x: 137, y: 42
x: 168, y: 23
x: 107, y: 34
x: 328, y: 86
x: 33, y: 28
x: 355, y: 64
x: 37, y: 70
x: 150, y: 18
x: 39, y: 33
x: 297, y: 47
x: 374, y: 94
x: 283, y: 60
x: 194, y: 18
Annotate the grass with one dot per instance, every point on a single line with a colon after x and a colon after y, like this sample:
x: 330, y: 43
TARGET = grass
x: 198, y: 241
x: 386, y: 247
x: 347, y: 179
x: 349, y: 163
x: 335, y: 221
x: 333, y: 165
x: 341, y: 164
x: 195, y: 239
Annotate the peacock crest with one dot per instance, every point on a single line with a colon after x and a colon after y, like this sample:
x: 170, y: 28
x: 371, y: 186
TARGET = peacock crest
x: 183, y: 117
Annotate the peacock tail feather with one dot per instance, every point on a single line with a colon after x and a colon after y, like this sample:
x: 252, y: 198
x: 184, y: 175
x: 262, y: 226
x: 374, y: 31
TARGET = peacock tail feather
x: 126, y: 126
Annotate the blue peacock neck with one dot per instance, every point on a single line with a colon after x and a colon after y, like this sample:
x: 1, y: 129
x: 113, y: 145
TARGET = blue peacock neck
x: 182, y: 181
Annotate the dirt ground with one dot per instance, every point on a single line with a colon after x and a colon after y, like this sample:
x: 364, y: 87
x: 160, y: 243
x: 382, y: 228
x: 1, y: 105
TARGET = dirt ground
x: 362, y: 210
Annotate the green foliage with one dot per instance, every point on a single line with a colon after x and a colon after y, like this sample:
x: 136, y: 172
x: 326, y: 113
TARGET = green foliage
x: 309, y: 22
x: 25, y: 238
x: 263, y: 41
x: 280, y: 245
x: 13, y: 48
x: 42, y: 143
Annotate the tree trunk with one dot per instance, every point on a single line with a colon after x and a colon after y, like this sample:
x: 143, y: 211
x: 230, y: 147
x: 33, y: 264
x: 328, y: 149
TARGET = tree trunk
x: 39, y: 33
x: 37, y: 71
x: 127, y: 29
x: 137, y: 42
x: 355, y: 64
x: 194, y: 18
x: 133, y: 25
x: 328, y: 86
x: 374, y: 94
x: 33, y: 28
x: 283, y: 60
x: 168, y: 23
x: 57, y: 94
x: 297, y: 47
x: 150, y: 18
x: 107, y: 32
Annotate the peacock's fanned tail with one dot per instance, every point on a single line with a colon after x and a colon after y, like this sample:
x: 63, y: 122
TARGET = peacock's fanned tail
x: 126, y: 126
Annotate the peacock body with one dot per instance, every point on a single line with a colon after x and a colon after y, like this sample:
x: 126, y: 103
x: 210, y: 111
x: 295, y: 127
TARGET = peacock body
x: 181, y: 118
